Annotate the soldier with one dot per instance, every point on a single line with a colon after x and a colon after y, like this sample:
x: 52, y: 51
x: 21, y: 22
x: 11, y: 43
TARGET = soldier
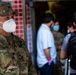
x: 58, y: 37
x: 14, y: 56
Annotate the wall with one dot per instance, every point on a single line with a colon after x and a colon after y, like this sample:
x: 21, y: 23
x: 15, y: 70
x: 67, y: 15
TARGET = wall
x: 29, y: 28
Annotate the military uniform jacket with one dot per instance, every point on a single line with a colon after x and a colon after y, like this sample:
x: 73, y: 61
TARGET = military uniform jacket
x: 58, y: 38
x: 13, y: 56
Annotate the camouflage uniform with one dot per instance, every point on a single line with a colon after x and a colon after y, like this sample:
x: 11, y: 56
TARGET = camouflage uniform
x: 58, y: 42
x: 58, y: 38
x: 14, y: 57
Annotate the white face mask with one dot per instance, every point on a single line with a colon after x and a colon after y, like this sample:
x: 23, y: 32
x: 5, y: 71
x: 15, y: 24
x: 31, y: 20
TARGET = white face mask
x: 9, y: 26
x: 68, y: 31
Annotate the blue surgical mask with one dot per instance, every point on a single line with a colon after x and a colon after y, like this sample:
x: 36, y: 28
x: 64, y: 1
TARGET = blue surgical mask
x: 56, y: 28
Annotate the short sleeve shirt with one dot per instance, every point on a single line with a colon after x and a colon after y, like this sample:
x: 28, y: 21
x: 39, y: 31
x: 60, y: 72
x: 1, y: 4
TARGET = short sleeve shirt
x: 45, y: 40
x: 65, y: 42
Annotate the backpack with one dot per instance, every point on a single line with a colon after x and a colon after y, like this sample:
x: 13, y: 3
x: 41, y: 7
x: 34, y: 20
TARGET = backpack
x: 72, y: 50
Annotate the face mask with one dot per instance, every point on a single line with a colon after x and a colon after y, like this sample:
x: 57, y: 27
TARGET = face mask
x: 56, y: 28
x: 9, y: 26
x: 68, y: 31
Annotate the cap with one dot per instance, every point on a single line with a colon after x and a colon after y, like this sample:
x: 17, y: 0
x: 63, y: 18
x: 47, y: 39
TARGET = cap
x: 6, y: 9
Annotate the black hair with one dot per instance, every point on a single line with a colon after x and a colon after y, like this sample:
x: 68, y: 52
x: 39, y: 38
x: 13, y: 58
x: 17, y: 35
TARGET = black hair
x: 56, y: 20
x: 47, y: 18
x: 70, y: 24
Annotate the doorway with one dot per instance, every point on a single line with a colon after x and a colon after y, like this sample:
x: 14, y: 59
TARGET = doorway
x: 62, y: 10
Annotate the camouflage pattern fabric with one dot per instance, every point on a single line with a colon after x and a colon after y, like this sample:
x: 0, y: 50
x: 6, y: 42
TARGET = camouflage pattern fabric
x: 14, y: 57
x: 58, y: 38
x: 6, y: 9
